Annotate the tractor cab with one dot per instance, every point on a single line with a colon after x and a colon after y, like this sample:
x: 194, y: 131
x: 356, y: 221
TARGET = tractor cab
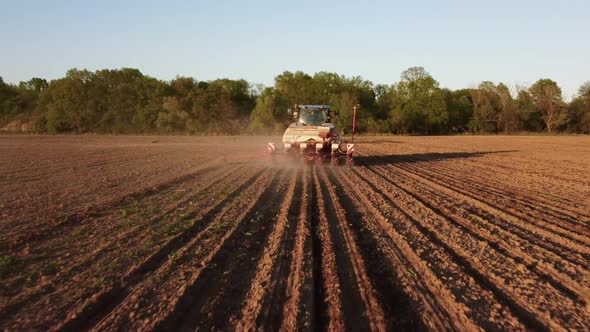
x: 313, y: 136
x: 313, y: 115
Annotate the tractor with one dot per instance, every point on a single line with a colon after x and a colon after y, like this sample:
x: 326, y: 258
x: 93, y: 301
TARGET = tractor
x: 313, y: 137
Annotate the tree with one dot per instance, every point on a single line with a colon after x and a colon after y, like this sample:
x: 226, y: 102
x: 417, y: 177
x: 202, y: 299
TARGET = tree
x: 343, y: 104
x: 112, y: 101
x: 35, y: 84
x: 296, y: 88
x: 268, y: 112
x: 529, y: 118
x: 8, y: 102
x: 546, y: 95
x: 340, y: 92
x: 127, y: 101
x: 487, y: 110
x: 18, y: 103
x: 460, y: 108
x: 578, y: 112
x: 584, y: 90
x: 423, y: 108
x: 508, y: 118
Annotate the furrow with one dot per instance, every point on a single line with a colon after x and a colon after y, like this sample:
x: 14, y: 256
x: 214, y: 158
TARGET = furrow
x: 352, y: 292
x: 565, y: 242
x: 87, y: 257
x: 577, y: 230
x: 328, y: 291
x: 298, y: 313
x: 563, y: 246
x: 266, y: 296
x: 406, y: 271
x: 18, y: 237
x: 373, y: 310
x: 466, y: 282
x: 564, y: 275
x: 217, y: 290
x: 538, y: 202
x: 154, y: 297
x: 472, y: 171
x: 102, y: 304
x: 527, y: 294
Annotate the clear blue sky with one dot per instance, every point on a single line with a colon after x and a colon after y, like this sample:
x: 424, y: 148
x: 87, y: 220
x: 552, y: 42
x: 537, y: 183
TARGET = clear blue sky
x: 459, y: 42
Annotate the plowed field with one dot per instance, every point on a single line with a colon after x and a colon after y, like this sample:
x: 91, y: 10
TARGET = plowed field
x: 185, y: 233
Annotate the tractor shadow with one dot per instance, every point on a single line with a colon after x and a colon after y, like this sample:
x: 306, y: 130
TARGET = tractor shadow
x: 375, y: 160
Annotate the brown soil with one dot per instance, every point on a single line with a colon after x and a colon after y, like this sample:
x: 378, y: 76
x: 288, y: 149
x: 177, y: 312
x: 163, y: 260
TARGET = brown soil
x: 185, y: 233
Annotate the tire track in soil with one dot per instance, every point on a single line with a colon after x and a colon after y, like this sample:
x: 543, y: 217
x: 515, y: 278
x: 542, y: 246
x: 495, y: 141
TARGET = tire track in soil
x: 221, y: 286
x: 559, y: 271
x: 102, y: 304
x: 530, y: 311
x: 136, y: 234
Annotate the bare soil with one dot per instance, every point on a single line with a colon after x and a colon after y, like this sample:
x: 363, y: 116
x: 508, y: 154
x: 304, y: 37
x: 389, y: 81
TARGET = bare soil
x: 201, y: 233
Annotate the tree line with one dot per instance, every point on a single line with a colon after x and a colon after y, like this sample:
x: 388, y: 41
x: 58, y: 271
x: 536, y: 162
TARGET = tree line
x: 125, y: 101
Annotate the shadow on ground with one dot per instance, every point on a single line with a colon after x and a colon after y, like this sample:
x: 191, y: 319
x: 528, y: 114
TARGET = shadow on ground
x: 420, y: 157
x: 379, y: 141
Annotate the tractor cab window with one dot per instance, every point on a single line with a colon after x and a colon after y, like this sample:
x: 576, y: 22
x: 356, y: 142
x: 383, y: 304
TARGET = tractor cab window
x: 313, y: 117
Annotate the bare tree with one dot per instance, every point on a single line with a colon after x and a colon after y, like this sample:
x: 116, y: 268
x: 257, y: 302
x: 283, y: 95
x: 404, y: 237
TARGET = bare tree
x: 486, y: 104
x: 547, y: 98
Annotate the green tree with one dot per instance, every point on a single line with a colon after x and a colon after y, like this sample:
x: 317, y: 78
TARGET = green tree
x: 529, y: 118
x: 269, y: 112
x: 8, y: 102
x: 343, y: 104
x: 35, y: 84
x: 578, y: 112
x: 18, y: 104
x: 296, y: 88
x: 423, y: 108
x: 108, y: 101
x: 460, y: 108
